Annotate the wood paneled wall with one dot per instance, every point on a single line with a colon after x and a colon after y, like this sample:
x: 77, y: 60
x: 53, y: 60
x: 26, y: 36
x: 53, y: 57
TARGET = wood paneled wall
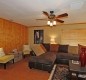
x: 12, y: 35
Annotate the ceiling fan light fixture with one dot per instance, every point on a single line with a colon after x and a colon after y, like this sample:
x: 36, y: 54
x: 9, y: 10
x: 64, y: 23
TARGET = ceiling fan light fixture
x: 54, y: 22
x: 52, y: 18
x: 51, y: 24
x: 48, y: 22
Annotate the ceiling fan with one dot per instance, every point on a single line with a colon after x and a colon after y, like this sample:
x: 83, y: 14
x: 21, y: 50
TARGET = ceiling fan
x: 51, y: 16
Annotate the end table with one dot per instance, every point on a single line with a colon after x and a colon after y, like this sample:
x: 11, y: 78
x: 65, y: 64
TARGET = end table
x: 75, y: 67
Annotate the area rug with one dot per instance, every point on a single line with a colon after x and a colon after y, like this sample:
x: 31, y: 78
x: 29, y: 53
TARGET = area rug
x: 61, y: 72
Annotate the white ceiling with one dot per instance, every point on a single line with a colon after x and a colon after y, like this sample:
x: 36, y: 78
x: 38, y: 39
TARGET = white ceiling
x: 27, y: 11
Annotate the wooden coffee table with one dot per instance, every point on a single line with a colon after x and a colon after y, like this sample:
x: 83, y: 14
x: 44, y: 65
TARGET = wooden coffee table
x: 75, y: 67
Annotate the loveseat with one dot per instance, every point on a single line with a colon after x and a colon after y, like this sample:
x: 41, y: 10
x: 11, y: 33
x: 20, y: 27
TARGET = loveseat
x: 51, y: 54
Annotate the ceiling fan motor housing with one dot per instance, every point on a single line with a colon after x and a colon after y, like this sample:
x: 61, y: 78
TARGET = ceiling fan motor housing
x: 52, y: 16
x: 51, y: 12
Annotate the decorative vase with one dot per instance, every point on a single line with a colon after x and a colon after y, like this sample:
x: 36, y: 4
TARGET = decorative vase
x: 83, y: 58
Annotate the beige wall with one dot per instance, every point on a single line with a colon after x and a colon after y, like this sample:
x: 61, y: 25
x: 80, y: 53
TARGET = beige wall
x: 54, y: 32
x: 48, y: 33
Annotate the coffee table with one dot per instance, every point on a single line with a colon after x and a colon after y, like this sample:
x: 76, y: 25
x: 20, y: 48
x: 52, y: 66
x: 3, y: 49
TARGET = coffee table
x: 75, y: 67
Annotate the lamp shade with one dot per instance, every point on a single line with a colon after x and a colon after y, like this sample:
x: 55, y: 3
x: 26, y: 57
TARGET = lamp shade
x: 52, y: 40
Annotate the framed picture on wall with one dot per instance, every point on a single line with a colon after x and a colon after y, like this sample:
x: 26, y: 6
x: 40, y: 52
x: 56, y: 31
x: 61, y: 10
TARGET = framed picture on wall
x: 38, y: 36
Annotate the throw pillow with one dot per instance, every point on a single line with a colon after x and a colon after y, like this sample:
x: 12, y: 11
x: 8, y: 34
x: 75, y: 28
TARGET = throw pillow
x: 37, y: 49
x: 63, y: 48
x: 54, y: 47
x: 47, y: 46
x: 73, y: 49
x: 26, y: 47
x: 1, y: 52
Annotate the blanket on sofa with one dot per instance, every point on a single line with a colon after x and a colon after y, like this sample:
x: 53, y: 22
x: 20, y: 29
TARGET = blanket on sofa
x: 46, y: 58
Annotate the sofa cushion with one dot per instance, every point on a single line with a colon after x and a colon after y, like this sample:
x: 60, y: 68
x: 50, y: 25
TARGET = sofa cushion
x: 68, y: 56
x: 46, y: 58
x: 47, y: 46
x: 37, y: 49
x: 54, y: 47
x: 73, y: 49
x: 50, y: 56
x: 63, y: 48
x: 62, y: 55
x: 6, y: 58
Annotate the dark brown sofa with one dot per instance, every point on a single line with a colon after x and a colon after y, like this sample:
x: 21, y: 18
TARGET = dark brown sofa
x: 55, y: 54
x: 63, y: 53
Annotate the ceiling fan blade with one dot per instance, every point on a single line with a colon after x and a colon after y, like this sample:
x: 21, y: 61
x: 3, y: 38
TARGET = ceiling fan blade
x: 58, y: 20
x: 62, y: 15
x: 41, y: 19
x: 45, y: 13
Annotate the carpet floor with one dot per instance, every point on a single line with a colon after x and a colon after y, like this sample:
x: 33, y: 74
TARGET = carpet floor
x: 20, y: 71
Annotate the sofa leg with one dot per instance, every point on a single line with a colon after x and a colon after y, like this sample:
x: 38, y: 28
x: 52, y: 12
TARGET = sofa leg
x: 5, y: 66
